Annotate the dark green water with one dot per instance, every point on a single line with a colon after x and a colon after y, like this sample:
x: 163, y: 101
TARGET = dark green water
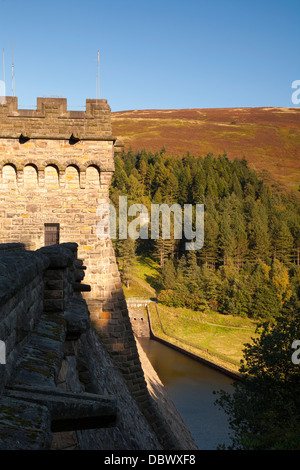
x: 190, y: 385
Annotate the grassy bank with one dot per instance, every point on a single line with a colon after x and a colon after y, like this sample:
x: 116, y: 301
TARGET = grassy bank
x: 222, y: 345
x: 216, y: 337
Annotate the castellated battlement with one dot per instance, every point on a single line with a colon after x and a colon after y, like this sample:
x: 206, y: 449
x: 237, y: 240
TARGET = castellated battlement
x: 52, y: 120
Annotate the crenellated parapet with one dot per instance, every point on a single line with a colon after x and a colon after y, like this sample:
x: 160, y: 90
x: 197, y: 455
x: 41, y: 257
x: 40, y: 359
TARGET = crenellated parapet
x: 51, y: 119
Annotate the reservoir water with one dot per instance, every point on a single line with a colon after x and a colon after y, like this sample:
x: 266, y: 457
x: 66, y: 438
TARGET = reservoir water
x: 190, y: 385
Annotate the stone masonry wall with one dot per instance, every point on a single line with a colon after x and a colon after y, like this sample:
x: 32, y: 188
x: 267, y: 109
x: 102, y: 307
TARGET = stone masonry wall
x: 21, y: 296
x: 59, y: 387
x: 63, y: 184
x: 51, y: 366
x: 56, y: 167
x: 139, y: 320
x: 52, y: 179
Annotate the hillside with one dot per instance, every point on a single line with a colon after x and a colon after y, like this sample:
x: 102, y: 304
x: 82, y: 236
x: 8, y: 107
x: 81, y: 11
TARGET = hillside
x: 269, y: 138
x: 217, y: 337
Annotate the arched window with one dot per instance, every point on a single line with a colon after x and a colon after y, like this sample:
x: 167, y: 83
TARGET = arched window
x: 51, y: 177
x: 30, y: 176
x: 9, y: 176
x: 92, y: 177
x: 72, y: 177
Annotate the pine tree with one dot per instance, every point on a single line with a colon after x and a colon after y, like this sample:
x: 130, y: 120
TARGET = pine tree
x: 295, y: 232
x: 143, y: 172
x: 150, y: 176
x: 163, y: 249
x: 134, y: 189
x: 209, y: 253
x: 241, y: 249
x: 282, y: 241
x: 211, y: 191
x: 280, y: 279
x: 126, y: 257
x: 227, y: 240
x: 185, y: 185
x: 236, y: 186
x: 199, y: 185
x: 168, y: 275
x: 258, y: 233
x: 170, y: 190
x: 120, y: 178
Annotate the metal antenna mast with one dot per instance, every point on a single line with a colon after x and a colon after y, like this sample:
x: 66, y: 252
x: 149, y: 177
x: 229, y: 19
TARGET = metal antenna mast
x: 3, y: 68
x: 12, y: 72
x: 98, y: 79
x: 2, y: 87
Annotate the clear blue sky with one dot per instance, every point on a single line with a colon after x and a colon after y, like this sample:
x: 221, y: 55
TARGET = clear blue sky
x: 158, y: 54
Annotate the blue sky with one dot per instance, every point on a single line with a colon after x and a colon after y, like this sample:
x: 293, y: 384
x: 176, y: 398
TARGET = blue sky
x: 158, y: 54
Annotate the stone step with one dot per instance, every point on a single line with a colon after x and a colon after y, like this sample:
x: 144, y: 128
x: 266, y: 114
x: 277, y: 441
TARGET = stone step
x: 68, y: 410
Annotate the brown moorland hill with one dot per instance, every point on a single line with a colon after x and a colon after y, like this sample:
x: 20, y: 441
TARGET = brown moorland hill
x: 269, y: 138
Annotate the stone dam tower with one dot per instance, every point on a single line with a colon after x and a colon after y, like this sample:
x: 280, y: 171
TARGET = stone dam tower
x: 56, y: 167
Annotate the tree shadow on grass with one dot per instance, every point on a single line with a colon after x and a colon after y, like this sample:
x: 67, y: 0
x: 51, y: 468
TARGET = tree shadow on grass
x: 154, y: 282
